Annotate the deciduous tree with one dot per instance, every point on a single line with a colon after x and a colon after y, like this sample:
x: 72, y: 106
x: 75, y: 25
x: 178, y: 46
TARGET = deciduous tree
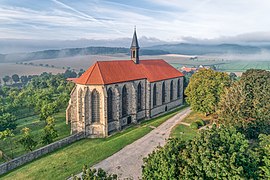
x: 27, y: 140
x: 217, y: 153
x: 246, y: 104
x: 204, y: 90
x: 49, y: 131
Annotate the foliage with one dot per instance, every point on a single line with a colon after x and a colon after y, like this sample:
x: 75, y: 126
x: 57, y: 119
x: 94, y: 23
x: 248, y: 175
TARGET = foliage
x: 217, y: 153
x: 204, y: 90
x: 200, y: 122
x: 163, y: 163
x: 100, y: 174
x: 194, y: 125
x: 7, y: 120
x: 50, y: 132
x: 245, y: 104
x: 27, y: 139
x: 4, y: 135
x: 15, y: 78
x: 265, y: 150
x: 233, y: 76
x: 6, y: 79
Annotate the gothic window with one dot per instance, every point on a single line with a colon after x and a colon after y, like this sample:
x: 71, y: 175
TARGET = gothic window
x: 171, y: 91
x: 163, y: 92
x: 133, y: 54
x: 178, y: 88
x: 95, y: 106
x: 110, y: 105
x: 154, y: 95
x: 139, y: 97
x: 124, y: 101
x: 80, y: 104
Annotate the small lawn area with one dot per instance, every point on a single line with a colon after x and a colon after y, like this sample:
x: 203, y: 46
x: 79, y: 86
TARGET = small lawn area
x: 194, y: 116
x: 185, y: 132
x: 69, y: 160
x: 36, y: 127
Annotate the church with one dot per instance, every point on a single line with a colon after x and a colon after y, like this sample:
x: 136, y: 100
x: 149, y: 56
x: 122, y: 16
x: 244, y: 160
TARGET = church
x: 111, y: 95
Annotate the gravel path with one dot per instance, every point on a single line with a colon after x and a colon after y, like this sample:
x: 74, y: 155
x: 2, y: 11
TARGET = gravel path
x: 127, y: 162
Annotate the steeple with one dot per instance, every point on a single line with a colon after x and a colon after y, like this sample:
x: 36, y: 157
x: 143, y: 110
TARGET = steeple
x: 134, y: 48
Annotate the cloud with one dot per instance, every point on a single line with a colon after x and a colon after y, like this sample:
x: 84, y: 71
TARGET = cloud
x: 171, y: 20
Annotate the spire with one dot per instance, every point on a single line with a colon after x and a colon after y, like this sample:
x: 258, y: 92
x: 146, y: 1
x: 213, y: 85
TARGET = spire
x: 134, y: 48
x: 134, y: 40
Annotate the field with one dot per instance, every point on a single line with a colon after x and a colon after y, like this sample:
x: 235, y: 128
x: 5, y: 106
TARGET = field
x: 222, y: 63
x: 12, y: 68
x: 69, y: 160
x: 36, y: 127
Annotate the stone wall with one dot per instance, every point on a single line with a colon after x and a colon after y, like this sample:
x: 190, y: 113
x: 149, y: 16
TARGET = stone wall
x: 10, y: 165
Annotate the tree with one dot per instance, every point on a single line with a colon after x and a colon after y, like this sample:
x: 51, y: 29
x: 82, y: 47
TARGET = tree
x: 4, y: 135
x: 204, y: 90
x: 7, y: 120
x: 47, y: 110
x: 24, y: 79
x: 100, y: 174
x: 15, y: 78
x: 246, y: 104
x: 6, y: 79
x: 27, y: 140
x: 217, y: 153
x: 265, y: 151
x: 49, y: 131
x: 233, y: 76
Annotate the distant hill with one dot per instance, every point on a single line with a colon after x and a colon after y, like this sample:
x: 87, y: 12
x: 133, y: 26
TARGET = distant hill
x: 182, y: 48
x: 201, y: 49
x: 51, y: 54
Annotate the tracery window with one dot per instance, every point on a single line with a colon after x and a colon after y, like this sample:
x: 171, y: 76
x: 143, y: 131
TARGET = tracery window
x: 139, y: 97
x: 95, y: 106
x: 110, y: 105
x: 154, y: 95
x: 124, y: 101
x: 171, y: 91
x: 163, y: 92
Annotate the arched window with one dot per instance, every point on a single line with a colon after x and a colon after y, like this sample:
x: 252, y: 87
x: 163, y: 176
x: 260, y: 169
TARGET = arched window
x: 80, y: 104
x: 110, y: 105
x: 154, y: 95
x: 163, y: 92
x: 95, y: 106
x: 178, y: 88
x: 139, y: 97
x: 124, y: 101
x: 171, y: 91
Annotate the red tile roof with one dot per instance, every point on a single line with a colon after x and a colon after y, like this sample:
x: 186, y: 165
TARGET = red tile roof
x: 109, y: 72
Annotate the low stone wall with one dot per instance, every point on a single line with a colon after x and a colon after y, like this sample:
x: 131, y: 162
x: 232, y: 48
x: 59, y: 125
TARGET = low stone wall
x: 10, y: 165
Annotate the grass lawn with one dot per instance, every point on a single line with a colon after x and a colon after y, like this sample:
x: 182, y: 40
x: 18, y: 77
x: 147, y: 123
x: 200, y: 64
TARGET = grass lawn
x: 185, y: 132
x: 194, y: 116
x: 36, y: 127
x: 69, y: 160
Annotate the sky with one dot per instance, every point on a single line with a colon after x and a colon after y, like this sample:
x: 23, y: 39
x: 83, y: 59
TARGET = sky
x: 166, y: 20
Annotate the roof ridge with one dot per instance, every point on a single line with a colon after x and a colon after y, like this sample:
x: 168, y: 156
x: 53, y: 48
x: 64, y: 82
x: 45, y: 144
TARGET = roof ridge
x: 91, y: 72
x: 100, y: 72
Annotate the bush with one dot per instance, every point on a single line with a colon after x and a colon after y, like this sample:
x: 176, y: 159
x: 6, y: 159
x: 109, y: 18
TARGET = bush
x: 200, y: 122
x: 194, y: 125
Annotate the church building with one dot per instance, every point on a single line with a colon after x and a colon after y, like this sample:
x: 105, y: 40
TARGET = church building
x: 111, y: 95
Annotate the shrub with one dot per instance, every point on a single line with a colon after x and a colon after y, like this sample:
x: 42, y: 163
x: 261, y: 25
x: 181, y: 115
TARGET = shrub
x: 200, y: 122
x: 194, y: 125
